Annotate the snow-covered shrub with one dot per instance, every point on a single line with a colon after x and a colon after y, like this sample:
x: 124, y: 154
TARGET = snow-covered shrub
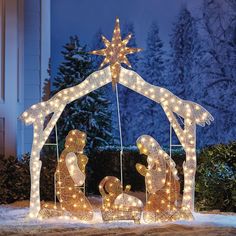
x: 216, y: 178
x: 49, y: 164
x: 14, y: 179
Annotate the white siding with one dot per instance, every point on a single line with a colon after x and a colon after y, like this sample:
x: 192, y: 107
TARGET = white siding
x: 37, y: 53
x: 21, y: 70
x: 8, y: 105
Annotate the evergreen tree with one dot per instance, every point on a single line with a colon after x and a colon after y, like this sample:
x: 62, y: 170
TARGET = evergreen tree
x: 47, y: 84
x: 152, y: 70
x: 89, y: 113
x: 183, y: 62
x: 153, y: 64
x: 184, y: 54
x: 218, y: 70
x: 128, y: 99
x: 96, y: 44
x: 127, y: 29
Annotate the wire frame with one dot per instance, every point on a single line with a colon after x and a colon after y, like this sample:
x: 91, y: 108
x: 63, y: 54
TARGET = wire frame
x: 71, y: 197
x: 70, y: 176
x: 162, y: 183
x: 192, y: 113
x: 117, y: 204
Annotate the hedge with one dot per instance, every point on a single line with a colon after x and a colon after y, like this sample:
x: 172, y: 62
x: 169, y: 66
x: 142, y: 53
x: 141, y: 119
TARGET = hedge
x: 215, y: 177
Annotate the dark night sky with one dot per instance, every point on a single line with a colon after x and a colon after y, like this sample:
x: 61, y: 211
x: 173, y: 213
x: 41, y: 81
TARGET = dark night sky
x: 85, y: 17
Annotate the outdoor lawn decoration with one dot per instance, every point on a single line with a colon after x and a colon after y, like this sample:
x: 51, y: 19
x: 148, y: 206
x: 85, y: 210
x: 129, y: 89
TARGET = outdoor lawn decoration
x: 162, y: 184
x: 118, y: 204
x: 70, y: 177
x: 191, y: 113
x: 115, y: 53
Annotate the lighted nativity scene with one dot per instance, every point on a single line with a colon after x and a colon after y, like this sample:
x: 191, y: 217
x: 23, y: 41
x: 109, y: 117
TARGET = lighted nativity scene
x: 160, y: 177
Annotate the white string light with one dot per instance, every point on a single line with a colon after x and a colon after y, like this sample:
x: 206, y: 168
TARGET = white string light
x: 191, y: 112
x: 162, y: 184
x: 117, y: 204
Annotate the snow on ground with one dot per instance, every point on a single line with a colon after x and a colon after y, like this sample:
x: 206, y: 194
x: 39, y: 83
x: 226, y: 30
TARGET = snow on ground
x: 13, y: 222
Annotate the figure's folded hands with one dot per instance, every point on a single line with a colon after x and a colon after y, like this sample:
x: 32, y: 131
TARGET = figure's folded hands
x: 142, y: 170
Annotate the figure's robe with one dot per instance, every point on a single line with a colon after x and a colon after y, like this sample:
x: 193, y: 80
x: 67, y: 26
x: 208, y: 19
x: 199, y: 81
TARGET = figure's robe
x: 69, y: 177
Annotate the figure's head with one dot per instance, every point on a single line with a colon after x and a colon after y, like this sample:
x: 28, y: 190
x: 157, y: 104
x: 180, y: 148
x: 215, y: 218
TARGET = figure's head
x: 110, y: 187
x: 147, y: 145
x: 76, y: 140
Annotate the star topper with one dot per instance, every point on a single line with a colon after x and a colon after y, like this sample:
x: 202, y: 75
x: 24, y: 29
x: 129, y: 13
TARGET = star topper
x: 115, y: 53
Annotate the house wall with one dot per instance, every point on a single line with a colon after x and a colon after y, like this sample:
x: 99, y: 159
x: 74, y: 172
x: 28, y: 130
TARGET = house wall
x: 9, y: 77
x: 25, y: 51
x: 32, y: 80
x: 37, y: 53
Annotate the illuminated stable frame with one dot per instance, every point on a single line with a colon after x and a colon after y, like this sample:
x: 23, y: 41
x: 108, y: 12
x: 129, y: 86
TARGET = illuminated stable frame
x: 192, y: 114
